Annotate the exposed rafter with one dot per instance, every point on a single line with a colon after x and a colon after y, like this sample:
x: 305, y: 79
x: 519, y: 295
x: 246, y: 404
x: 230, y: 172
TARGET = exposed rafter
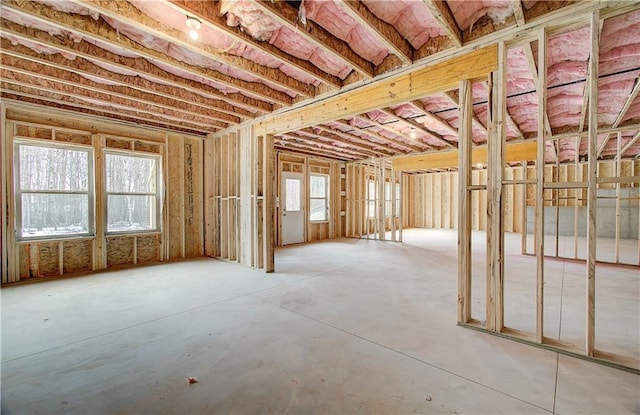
x: 442, y: 13
x: 105, y: 99
x: 385, y: 32
x: 86, y: 68
x: 64, y: 101
x: 284, y: 144
x: 420, y: 127
x: 315, y: 143
x: 328, y: 136
x: 140, y: 66
x: 629, y: 144
x: 287, y: 15
x: 623, y: 112
x: 124, y: 12
x: 390, y: 130
x: 453, y: 97
x: 518, y: 12
x: 354, y: 140
x: 209, y: 13
x: 12, y: 66
x: 100, y: 31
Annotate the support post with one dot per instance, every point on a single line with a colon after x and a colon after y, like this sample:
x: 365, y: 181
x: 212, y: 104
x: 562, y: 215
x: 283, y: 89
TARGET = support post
x: 268, y: 204
x: 592, y: 84
x: 539, y: 211
x: 464, y: 202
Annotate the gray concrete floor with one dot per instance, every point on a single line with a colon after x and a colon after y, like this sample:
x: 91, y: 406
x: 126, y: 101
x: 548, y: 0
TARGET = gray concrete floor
x: 344, y: 326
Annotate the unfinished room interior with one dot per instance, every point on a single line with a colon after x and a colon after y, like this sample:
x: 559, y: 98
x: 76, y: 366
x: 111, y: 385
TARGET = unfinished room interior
x: 320, y: 206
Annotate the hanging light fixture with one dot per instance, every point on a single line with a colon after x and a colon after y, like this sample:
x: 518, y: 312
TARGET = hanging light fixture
x: 194, y: 25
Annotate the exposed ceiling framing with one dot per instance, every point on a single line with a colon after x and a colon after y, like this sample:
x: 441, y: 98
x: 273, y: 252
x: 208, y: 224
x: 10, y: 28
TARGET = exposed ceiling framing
x: 134, y: 62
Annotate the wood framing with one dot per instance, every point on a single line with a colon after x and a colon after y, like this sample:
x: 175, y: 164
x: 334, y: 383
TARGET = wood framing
x: 432, y: 79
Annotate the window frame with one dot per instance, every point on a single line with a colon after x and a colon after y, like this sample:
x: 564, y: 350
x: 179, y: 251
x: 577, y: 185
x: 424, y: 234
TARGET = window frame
x: 325, y: 198
x: 18, y: 191
x: 158, y: 194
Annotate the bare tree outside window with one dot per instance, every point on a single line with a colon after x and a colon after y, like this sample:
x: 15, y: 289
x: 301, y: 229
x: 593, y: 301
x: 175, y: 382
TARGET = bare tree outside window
x: 54, y: 185
x: 133, y: 198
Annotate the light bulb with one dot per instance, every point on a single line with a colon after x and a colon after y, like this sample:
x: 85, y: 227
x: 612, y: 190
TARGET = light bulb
x: 413, y: 134
x: 194, y: 25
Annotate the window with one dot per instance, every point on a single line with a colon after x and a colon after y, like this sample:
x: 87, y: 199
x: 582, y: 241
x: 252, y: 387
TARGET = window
x: 133, y: 192
x: 397, y: 199
x: 54, y: 190
x: 372, y: 191
x: 387, y: 199
x: 319, y: 198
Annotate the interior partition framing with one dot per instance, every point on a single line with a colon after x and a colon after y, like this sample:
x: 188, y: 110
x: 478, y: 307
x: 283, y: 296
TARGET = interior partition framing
x: 495, y: 210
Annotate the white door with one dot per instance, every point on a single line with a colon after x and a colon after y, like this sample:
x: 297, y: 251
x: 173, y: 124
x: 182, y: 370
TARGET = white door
x: 292, y: 208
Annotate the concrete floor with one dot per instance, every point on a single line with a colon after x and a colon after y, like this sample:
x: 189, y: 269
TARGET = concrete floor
x: 345, y: 326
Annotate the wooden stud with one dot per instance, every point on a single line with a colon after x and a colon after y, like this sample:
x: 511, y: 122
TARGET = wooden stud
x: 592, y: 84
x: 464, y: 205
x: 541, y: 89
x: 269, y: 182
x: 618, y: 162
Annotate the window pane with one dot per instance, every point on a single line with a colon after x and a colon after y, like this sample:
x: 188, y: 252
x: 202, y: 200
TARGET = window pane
x: 130, y: 213
x: 57, y: 214
x: 387, y: 191
x: 371, y: 190
x: 130, y: 174
x: 371, y: 209
x: 50, y: 168
x: 292, y: 192
x: 318, y: 209
x: 318, y: 186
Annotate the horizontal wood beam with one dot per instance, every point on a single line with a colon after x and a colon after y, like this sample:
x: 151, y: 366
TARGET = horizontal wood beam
x: 325, y: 144
x: 432, y: 79
x: 444, y: 159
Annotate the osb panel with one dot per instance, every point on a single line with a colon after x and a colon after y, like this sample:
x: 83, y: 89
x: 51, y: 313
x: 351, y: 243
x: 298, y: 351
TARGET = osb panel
x: 48, y: 258
x: 148, y: 248
x: 119, y: 251
x: 146, y: 147
x: 77, y: 256
x: 34, y: 132
x: 23, y: 259
x: 116, y: 143
x: 73, y: 138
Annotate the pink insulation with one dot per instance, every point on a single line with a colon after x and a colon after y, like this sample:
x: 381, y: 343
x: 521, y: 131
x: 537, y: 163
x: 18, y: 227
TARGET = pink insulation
x: 216, y: 38
x: 567, y: 56
x: 430, y: 123
x: 468, y: 12
x: 411, y: 18
x: 519, y: 78
x: 613, y: 92
x: 334, y: 19
x: 620, y: 43
x: 634, y: 111
x: 524, y: 111
x: 564, y: 105
x: 263, y: 27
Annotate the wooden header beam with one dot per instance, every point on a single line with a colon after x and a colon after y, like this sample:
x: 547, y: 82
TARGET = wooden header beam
x: 443, y: 159
x: 429, y: 80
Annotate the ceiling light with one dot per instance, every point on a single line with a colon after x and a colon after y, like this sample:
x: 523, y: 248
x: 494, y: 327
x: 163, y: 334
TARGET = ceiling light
x: 413, y: 134
x: 194, y: 25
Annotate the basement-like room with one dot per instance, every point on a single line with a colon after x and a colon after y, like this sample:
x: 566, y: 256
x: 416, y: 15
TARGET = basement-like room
x: 320, y: 206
